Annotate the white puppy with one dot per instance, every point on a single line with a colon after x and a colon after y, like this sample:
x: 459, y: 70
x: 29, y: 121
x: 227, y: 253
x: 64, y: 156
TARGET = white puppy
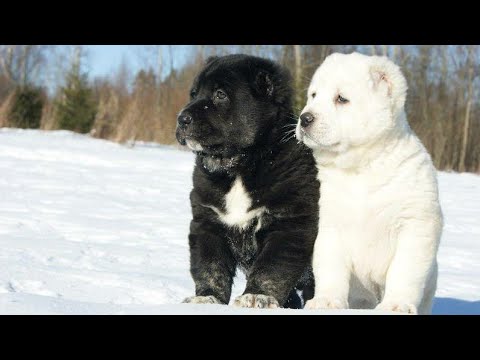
x: 380, y: 217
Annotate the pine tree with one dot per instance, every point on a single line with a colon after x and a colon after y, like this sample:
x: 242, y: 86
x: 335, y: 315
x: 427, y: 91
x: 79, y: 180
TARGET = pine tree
x: 76, y: 108
x: 26, y: 108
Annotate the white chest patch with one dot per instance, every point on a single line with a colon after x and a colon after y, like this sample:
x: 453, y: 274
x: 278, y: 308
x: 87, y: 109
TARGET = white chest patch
x: 237, y: 205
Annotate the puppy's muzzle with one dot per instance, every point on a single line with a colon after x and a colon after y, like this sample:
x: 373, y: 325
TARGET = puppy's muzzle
x: 306, y: 119
x: 184, y: 119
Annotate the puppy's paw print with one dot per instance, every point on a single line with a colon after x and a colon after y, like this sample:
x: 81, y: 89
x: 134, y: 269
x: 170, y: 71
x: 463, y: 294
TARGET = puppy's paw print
x: 398, y: 307
x: 256, y: 301
x: 202, y: 300
x: 326, y: 303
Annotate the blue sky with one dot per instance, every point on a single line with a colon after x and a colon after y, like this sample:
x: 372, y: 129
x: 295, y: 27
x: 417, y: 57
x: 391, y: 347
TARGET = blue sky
x: 105, y: 59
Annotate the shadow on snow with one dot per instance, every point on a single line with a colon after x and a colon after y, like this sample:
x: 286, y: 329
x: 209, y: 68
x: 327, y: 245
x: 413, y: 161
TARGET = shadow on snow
x: 450, y: 306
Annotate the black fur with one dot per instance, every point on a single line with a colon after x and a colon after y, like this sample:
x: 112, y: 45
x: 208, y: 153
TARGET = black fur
x: 245, y: 135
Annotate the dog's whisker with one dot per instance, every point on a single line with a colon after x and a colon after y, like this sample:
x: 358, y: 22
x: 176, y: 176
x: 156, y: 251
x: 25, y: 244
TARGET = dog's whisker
x: 288, y: 138
x: 289, y: 131
x: 288, y: 135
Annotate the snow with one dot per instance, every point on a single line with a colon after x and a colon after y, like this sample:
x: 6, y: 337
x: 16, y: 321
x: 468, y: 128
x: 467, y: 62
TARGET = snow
x: 89, y: 226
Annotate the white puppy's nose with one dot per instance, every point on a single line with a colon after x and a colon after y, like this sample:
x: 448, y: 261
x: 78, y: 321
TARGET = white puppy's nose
x: 306, y: 119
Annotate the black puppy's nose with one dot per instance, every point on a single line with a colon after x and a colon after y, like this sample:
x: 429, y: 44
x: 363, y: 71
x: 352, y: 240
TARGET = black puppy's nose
x: 184, y: 119
x: 306, y: 119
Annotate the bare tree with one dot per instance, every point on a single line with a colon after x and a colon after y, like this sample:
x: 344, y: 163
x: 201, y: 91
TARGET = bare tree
x: 468, y: 109
x: 297, y: 51
x: 21, y: 63
x: 170, y: 57
x: 384, y: 50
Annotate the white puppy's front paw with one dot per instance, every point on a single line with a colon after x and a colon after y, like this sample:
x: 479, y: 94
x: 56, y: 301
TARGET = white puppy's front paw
x: 324, y: 302
x: 202, y: 300
x: 256, y: 301
x: 398, y: 307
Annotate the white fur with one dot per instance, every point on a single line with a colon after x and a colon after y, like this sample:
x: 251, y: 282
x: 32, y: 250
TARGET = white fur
x: 256, y: 301
x: 194, y: 145
x: 380, y: 217
x: 202, y: 300
x: 237, y: 205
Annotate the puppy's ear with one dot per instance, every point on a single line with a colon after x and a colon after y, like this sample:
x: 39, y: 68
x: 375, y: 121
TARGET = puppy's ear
x: 387, y: 78
x: 264, y: 83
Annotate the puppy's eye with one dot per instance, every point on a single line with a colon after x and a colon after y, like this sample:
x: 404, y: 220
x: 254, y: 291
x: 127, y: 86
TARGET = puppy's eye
x: 313, y: 95
x: 193, y: 93
x: 341, y: 100
x: 219, y: 94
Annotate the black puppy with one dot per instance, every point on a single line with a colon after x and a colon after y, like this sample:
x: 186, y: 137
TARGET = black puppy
x: 255, y: 195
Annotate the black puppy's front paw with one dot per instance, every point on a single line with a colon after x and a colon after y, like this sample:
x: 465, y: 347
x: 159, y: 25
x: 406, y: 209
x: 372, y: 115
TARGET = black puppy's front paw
x: 256, y: 301
x: 202, y: 300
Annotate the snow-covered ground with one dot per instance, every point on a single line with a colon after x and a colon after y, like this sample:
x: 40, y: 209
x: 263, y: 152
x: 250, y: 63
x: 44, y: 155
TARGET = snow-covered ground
x: 93, y: 227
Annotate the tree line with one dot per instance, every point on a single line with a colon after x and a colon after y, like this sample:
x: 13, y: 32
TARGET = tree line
x: 127, y: 106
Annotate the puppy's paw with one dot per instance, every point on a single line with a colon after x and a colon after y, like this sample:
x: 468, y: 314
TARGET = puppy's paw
x: 397, y: 307
x: 256, y: 301
x: 324, y: 302
x: 202, y: 300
